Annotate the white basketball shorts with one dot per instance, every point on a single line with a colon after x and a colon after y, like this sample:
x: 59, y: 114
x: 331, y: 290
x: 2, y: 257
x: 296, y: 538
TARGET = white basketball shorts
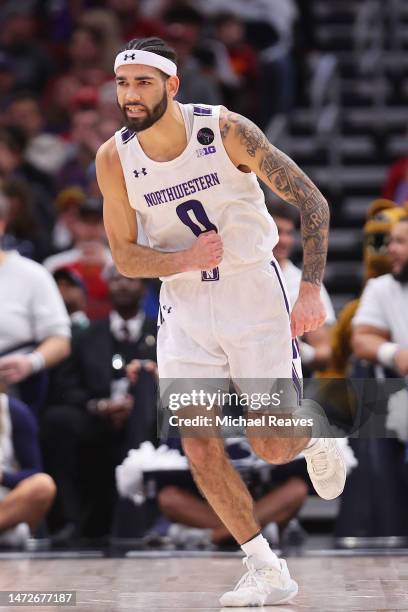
x: 236, y: 327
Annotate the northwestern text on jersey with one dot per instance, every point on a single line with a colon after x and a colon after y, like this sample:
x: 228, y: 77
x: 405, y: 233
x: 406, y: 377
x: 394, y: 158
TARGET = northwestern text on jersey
x: 177, y: 192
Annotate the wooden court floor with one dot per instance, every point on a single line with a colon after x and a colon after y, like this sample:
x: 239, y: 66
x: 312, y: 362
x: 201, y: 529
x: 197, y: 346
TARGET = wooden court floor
x: 194, y: 584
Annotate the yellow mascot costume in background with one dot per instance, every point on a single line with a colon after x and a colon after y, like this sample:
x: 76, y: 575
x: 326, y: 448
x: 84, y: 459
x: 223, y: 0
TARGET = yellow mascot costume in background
x: 381, y: 216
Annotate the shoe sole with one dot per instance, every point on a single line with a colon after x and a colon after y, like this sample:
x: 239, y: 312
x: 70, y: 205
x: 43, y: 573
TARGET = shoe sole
x: 343, y: 463
x: 286, y: 598
x: 295, y: 588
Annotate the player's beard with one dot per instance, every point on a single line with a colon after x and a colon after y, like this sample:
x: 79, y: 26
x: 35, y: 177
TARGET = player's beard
x: 138, y: 124
x: 402, y: 275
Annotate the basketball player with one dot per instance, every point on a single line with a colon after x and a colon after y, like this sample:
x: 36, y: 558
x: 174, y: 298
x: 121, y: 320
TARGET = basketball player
x: 186, y: 177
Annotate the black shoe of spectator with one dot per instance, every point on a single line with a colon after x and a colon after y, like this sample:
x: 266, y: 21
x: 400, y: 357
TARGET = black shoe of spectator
x: 293, y: 535
x: 66, y: 537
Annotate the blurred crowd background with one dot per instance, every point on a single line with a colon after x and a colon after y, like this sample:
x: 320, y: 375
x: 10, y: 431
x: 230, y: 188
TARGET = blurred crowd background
x: 327, y: 82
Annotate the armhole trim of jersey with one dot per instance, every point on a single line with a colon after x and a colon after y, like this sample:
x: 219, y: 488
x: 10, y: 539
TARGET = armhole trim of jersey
x: 126, y: 135
x: 234, y: 168
x: 202, y: 111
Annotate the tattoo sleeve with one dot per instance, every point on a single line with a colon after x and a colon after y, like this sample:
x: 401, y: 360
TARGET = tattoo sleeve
x: 288, y: 181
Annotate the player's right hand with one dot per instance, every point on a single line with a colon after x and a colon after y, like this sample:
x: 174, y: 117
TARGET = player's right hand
x: 308, y: 312
x: 207, y: 251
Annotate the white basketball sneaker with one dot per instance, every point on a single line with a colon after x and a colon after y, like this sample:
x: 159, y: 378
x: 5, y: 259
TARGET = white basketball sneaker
x: 326, y: 467
x: 265, y: 586
x: 325, y: 461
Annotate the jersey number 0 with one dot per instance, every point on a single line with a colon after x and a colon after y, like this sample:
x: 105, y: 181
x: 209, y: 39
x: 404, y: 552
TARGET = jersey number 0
x: 198, y: 225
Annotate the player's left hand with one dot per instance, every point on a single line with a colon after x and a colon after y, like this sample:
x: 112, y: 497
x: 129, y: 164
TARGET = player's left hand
x: 308, y: 312
x: 15, y: 368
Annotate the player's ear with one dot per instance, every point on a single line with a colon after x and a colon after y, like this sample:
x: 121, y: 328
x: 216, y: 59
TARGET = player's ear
x: 172, y: 86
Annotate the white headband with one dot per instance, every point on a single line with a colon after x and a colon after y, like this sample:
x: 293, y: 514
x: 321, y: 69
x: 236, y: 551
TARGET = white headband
x: 145, y: 57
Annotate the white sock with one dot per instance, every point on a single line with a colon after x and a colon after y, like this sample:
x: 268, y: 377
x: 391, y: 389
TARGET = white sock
x: 259, y: 546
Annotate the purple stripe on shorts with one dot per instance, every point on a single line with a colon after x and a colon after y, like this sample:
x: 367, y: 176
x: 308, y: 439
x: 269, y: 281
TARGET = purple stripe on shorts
x: 281, y: 286
x: 295, y: 347
x: 297, y: 384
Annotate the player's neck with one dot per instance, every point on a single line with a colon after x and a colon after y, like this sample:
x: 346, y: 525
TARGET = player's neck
x: 167, y: 138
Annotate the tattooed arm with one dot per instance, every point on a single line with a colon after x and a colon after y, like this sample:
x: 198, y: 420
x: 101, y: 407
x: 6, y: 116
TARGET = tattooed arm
x: 249, y: 149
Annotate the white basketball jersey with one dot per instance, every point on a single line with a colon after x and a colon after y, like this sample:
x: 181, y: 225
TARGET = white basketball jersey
x: 177, y: 200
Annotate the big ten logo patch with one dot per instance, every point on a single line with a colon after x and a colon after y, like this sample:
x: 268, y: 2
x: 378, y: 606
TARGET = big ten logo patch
x: 206, y: 151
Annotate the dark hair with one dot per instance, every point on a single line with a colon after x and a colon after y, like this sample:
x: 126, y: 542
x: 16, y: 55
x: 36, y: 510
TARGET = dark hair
x: 283, y: 211
x: 206, y: 56
x: 24, y: 224
x: 24, y: 94
x: 184, y: 14
x: 14, y: 138
x: 95, y: 34
x: 154, y: 45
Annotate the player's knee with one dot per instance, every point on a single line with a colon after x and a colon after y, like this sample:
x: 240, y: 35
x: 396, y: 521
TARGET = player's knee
x: 169, y: 498
x: 42, y: 489
x: 202, y: 452
x: 271, y: 450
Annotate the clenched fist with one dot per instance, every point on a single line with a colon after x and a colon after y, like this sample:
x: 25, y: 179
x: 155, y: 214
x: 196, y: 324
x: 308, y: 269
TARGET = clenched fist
x: 308, y: 312
x: 206, y: 253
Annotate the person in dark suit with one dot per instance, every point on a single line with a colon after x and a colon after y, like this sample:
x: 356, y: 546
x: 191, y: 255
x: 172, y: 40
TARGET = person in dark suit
x: 100, y: 415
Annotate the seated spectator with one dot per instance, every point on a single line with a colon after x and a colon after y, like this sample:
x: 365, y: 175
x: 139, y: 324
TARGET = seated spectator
x: 133, y: 24
x: 380, y: 340
x: 31, y: 63
x: 34, y: 325
x: 23, y: 232
x: 229, y: 30
x: 198, y: 80
x: 73, y: 291
x: 44, y: 151
x: 197, y: 61
x: 86, y: 69
x: 107, y: 24
x: 381, y: 216
x: 26, y: 493
x: 89, y: 129
x: 14, y: 166
x: 67, y: 204
x: 270, y: 30
x: 100, y: 417
x: 84, y: 140
x: 315, y: 347
x: 380, y: 324
x: 89, y: 255
x: 74, y: 294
